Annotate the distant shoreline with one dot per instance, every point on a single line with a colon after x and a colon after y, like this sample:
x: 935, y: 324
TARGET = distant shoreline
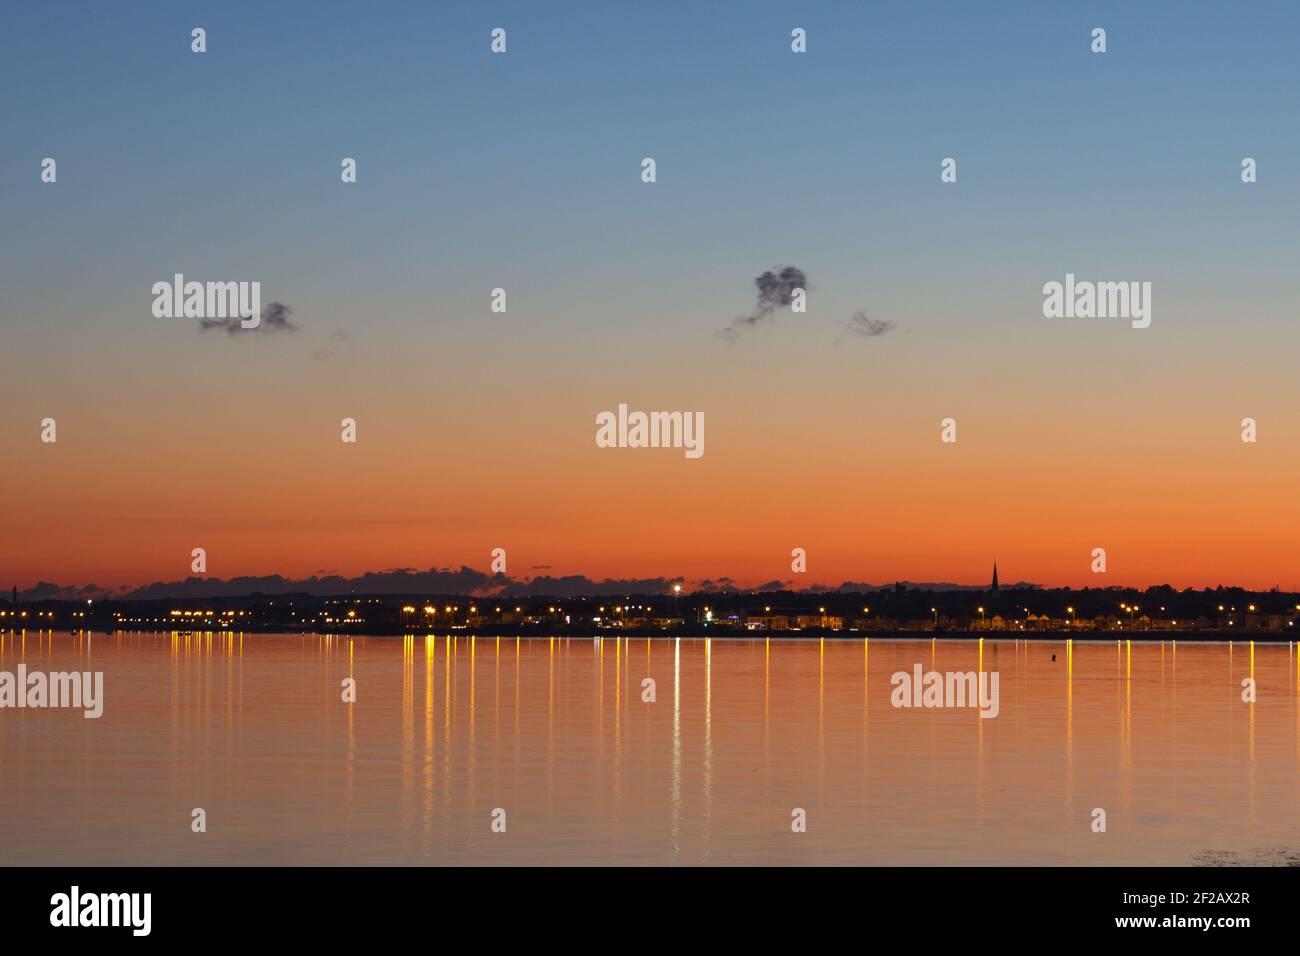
x: 1044, y: 637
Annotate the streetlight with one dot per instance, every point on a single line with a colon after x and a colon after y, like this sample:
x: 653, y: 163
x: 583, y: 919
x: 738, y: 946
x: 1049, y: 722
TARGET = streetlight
x: 981, y: 617
x: 1070, y: 611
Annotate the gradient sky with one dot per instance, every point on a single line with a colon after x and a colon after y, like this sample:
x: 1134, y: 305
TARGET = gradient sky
x: 523, y: 171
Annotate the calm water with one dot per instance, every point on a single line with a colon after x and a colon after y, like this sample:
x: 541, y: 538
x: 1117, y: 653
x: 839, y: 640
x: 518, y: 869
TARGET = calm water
x: 252, y: 728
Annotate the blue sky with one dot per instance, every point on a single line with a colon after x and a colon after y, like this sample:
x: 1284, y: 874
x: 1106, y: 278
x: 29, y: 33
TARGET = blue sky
x: 471, y: 164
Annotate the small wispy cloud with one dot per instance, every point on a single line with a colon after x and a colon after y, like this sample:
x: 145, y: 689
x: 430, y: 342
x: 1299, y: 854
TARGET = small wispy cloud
x: 862, y: 324
x: 275, y: 318
x: 340, y: 340
x: 774, y: 290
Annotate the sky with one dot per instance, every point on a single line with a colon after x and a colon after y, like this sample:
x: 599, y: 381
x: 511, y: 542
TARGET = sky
x: 522, y: 170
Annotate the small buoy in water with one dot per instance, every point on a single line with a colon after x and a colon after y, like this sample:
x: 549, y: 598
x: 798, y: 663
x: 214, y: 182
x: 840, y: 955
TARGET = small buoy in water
x: 1053, y: 657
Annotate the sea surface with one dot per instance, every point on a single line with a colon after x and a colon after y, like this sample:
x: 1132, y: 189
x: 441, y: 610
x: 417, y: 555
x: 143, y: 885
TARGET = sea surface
x: 487, y: 751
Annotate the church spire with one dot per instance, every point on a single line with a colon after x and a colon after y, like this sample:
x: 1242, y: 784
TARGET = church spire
x: 994, y: 588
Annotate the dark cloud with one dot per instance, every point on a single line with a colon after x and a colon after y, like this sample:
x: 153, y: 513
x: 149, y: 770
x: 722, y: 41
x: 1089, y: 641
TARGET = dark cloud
x: 718, y: 586
x: 393, y: 581
x: 462, y: 581
x: 448, y: 581
x: 578, y: 585
x: 275, y: 318
x: 774, y: 290
x: 46, y: 591
x: 863, y: 324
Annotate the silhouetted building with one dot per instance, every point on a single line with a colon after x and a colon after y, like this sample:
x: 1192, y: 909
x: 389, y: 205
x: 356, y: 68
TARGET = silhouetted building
x: 993, y: 589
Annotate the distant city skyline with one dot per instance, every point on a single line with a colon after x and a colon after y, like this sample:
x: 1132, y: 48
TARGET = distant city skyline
x: 418, y: 604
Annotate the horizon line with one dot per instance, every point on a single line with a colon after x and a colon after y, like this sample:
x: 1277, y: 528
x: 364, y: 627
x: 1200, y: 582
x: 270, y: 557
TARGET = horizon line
x: 471, y: 582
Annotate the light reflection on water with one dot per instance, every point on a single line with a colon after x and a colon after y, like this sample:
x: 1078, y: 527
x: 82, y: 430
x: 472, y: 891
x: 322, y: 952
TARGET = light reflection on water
x: 555, y: 731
